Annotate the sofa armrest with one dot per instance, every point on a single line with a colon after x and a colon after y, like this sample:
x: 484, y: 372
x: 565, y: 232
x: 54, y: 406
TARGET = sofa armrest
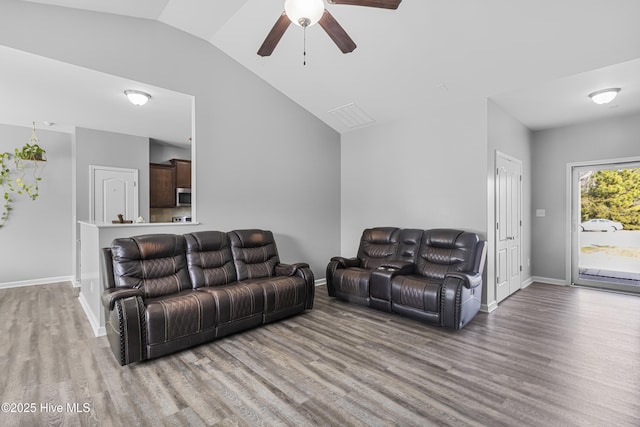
x: 337, y: 263
x: 469, y: 280
x: 126, y: 329
x: 460, y: 299
x: 289, y: 269
x: 346, y: 262
x: 302, y: 270
x: 107, y: 269
x: 111, y: 295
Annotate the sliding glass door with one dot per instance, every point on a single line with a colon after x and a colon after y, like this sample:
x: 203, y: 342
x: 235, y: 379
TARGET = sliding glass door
x: 605, y: 225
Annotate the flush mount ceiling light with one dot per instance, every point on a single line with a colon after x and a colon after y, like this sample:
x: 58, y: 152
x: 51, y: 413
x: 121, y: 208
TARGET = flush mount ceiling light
x: 604, y: 96
x: 136, y: 97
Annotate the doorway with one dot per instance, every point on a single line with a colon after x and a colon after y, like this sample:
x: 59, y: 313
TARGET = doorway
x: 508, y: 200
x: 114, y: 191
x: 605, y: 225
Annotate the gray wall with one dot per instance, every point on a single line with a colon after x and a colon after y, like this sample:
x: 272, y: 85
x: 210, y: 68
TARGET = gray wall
x: 507, y: 135
x: 36, y: 241
x: 162, y: 153
x: 261, y: 160
x: 427, y: 171
x: 100, y: 148
x: 552, y: 150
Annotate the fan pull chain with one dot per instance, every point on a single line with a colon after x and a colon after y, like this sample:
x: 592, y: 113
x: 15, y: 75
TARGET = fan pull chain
x: 304, y: 48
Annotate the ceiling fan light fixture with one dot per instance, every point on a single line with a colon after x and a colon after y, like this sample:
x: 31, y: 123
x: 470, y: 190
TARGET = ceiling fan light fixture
x: 137, y: 97
x: 604, y: 96
x: 304, y: 13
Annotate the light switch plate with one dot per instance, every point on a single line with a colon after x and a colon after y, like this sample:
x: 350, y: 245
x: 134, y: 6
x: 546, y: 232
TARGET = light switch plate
x: 540, y: 212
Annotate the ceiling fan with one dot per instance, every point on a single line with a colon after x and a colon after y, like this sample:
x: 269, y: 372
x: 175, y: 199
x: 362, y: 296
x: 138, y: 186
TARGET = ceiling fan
x: 305, y: 13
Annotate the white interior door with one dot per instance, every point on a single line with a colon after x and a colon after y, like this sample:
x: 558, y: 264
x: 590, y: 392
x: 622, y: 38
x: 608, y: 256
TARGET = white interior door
x: 114, y: 192
x: 508, y: 197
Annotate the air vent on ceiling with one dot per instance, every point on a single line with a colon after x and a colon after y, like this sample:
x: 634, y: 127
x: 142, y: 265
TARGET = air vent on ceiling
x: 351, y: 116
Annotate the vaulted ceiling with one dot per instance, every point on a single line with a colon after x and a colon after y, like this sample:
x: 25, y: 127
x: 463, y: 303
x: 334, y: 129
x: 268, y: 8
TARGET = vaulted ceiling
x: 537, y: 59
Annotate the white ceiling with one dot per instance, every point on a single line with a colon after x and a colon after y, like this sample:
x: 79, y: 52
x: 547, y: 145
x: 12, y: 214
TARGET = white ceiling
x: 74, y: 96
x: 537, y: 59
x: 565, y: 100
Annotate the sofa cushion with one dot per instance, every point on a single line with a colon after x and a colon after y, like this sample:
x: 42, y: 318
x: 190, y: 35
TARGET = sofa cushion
x: 416, y: 292
x: 209, y: 259
x: 282, y: 292
x: 236, y: 301
x: 443, y: 251
x: 408, y: 245
x: 155, y: 263
x: 171, y: 317
x: 352, y: 281
x: 378, y: 245
x: 254, y: 253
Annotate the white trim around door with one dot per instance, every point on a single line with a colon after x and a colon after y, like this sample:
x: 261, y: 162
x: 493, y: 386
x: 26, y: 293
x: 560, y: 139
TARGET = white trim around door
x: 508, y: 238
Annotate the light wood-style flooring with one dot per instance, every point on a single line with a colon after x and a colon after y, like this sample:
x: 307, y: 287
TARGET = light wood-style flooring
x: 548, y: 356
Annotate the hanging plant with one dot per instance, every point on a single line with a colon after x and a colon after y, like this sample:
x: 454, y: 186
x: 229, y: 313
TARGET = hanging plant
x: 23, y: 179
x: 31, y: 151
x: 30, y: 161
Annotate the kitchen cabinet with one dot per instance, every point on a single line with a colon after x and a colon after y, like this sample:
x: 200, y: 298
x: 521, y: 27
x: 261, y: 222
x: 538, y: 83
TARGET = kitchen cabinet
x: 164, y: 179
x: 162, y: 186
x: 183, y: 173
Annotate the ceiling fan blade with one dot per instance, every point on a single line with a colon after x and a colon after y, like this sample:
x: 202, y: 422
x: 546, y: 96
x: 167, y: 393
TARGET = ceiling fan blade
x: 274, y: 35
x: 337, y: 33
x: 384, y: 4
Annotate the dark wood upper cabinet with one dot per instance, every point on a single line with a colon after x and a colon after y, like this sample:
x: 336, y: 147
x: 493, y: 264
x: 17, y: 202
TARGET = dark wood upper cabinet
x: 162, y: 186
x: 183, y: 173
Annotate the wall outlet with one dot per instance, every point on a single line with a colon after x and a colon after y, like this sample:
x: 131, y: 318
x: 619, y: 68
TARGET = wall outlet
x: 541, y: 212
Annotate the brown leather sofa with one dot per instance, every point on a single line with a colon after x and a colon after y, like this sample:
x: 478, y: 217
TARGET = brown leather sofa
x: 167, y: 292
x: 434, y: 276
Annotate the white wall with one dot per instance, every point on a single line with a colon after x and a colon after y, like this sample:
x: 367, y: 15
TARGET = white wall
x: 552, y: 150
x: 427, y: 171
x: 36, y: 240
x: 261, y: 161
x: 507, y: 135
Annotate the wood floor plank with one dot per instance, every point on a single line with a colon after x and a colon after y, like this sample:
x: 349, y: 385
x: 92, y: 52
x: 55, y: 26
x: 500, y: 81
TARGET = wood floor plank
x: 548, y: 356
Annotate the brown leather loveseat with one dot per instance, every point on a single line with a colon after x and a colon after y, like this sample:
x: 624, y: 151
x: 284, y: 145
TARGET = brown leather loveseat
x: 434, y: 276
x: 168, y: 292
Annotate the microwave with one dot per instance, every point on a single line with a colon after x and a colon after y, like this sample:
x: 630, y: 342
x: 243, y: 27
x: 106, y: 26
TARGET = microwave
x: 183, y: 197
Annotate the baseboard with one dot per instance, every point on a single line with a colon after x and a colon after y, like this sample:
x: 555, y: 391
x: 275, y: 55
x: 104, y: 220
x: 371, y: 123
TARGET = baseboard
x: 320, y: 282
x: 488, y: 308
x: 36, y: 282
x: 98, y: 330
x: 526, y: 283
x: 549, y: 281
